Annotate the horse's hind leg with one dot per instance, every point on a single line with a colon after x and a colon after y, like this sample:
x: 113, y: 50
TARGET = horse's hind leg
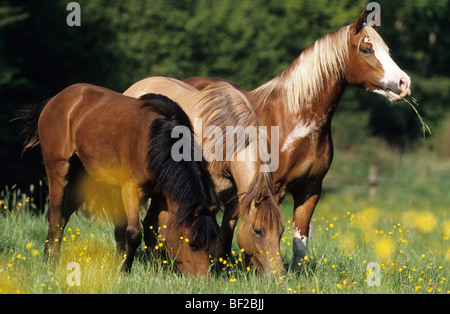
x: 64, y: 179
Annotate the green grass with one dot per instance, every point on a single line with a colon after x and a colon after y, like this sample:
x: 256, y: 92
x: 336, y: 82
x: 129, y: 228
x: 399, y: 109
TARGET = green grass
x: 404, y: 230
x: 346, y: 237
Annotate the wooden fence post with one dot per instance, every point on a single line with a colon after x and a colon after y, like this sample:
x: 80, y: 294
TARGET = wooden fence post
x: 373, y: 180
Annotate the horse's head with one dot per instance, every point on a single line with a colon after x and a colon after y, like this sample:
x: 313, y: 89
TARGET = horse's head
x: 191, y: 239
x: 260, y: 232
x: 370, y: 65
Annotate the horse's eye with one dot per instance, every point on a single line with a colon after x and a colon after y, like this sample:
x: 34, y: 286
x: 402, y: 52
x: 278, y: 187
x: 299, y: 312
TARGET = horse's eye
x: 259, y: 232
x: 366, y: 51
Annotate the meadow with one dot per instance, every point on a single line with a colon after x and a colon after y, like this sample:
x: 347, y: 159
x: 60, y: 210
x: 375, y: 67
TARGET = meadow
x: 395, y: 242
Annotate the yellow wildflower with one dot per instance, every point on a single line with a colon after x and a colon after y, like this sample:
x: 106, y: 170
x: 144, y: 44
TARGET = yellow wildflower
x: 425, y: 222
x: 384, y: 248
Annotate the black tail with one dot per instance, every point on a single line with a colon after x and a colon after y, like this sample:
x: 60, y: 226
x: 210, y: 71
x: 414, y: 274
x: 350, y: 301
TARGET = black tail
x: 187, y: 182
x: 30, y: 115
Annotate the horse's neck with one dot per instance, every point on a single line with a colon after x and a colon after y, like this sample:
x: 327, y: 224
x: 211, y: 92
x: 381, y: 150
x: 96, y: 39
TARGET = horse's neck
x: 312, y: 86
x: 317, y: 112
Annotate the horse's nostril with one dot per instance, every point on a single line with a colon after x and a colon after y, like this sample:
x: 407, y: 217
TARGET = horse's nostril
x: 402, y: 84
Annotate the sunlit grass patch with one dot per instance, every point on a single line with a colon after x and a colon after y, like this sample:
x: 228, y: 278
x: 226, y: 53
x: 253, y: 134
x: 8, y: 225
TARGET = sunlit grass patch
x: 411, y: 248
x: 96, y: 261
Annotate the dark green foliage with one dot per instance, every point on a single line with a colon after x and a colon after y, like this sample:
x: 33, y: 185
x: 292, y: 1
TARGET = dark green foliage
x: 248, y: 41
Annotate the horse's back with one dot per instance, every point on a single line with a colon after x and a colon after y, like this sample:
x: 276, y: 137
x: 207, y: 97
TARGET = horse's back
x: 75, y: 98
x: 80, y: 104
x: 200, y: 83
x: 54, y: 122
x: 176, y: 90
x: 96, y: 124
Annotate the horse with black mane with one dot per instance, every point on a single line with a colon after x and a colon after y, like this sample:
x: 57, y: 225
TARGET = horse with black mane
x: 91, y: 134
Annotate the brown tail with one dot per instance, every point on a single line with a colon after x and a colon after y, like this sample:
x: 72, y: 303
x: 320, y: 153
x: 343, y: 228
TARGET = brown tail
x: 29, y: 114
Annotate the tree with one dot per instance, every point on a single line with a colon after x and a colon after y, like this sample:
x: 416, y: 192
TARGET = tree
x: 246, y: 41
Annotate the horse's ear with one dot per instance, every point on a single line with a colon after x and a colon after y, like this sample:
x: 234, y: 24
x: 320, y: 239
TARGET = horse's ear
x: 358, y: 24
x: 375, y: 22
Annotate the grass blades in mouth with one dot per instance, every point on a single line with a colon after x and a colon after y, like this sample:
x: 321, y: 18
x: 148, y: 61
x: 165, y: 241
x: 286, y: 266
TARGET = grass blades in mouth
x: 412, y: 102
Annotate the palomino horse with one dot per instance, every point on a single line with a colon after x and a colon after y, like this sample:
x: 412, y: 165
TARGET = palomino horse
x: 218, y: 108
x: 302, y: 100
x: 92, y: 133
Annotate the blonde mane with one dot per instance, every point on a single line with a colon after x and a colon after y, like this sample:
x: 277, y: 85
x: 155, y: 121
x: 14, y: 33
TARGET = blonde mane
x: 304, y: 80
x: 223, y: 105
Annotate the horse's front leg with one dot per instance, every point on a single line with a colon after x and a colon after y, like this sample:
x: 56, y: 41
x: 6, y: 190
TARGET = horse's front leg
x: 229, y: 221
x: 133, y: 233
x: 56, y: 172
x: 120, y: 224
x: 150, y: 225
x: 304, y: 206
x: 155, y: 224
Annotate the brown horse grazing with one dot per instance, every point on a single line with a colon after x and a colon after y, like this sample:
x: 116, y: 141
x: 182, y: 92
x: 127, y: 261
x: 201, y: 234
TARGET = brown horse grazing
x: 244, y: 178
x: 302, y: 101
x: 92, y: 133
